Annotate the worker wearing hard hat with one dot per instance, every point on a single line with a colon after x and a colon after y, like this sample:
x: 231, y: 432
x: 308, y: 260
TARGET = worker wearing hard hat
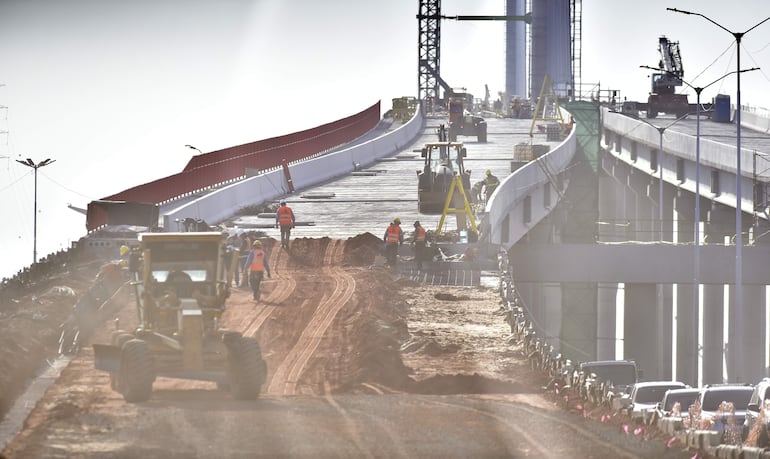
x: 490, y: 185
x: 123, y: 262
x: 394, y: 236
x: 419, y: 240
x: 257, y: 265
x: 284, y: 217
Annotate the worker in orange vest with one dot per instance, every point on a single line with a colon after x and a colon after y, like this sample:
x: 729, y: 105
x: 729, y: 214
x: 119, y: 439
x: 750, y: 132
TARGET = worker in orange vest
x: 257, y: 265
x: 418, y: 241
x: 394, y: 236
x: 284, y: 218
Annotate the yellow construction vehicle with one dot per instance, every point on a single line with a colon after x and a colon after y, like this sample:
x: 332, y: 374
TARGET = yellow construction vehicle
x: 181, y: 282
x: 443, y: 161
x: 461, y: 121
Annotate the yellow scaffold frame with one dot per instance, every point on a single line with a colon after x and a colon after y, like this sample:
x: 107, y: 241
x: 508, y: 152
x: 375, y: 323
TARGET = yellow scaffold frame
x: 457, y: 182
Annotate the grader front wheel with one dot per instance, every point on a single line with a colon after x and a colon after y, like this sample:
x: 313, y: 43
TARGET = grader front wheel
x: 137, y: 372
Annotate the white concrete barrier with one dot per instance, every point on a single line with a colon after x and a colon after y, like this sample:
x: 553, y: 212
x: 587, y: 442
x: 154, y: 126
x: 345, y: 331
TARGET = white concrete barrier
x: 218, y: 205
x: 506, y: 208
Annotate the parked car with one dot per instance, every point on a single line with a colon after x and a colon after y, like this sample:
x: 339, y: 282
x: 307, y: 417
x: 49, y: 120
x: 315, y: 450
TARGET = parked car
x: 712, y: 396
x: 645, y: 396
x: 760, y: 394
x: 685, y: 398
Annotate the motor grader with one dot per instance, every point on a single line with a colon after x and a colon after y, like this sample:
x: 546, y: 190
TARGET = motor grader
x: 181, y: 282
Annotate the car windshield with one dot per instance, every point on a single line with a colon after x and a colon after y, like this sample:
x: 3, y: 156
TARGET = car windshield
x: 685, y: 399
x: 652, y: 394
x: 618, y: 374
x: 739, y: 398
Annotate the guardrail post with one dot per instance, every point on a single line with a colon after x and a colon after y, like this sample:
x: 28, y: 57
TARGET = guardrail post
x: 287, y: 175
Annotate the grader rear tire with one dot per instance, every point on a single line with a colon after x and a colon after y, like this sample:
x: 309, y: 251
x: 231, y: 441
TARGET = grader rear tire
x: 137, y: 372
x: 246, y: 368
x: 119, y: 338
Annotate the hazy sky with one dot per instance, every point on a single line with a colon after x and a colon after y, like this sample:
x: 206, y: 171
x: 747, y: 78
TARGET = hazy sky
x: 113, y: 90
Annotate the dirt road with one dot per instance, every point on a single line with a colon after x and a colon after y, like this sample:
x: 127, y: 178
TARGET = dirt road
x: 359, y: 365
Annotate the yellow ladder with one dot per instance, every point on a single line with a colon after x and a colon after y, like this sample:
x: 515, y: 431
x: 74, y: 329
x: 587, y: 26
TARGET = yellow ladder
x: 456, y: 182
x: 547, y: 94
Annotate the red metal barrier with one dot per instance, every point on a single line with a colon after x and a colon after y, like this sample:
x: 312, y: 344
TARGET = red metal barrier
x: 211, y: 169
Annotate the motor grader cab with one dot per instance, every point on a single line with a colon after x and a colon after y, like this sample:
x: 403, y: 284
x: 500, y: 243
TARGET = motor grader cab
x: 443, y: 161
x: 181, y: 286
x: 462, y: 122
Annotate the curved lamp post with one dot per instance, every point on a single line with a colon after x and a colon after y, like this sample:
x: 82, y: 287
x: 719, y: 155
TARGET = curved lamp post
x: 696, y: 236
x: 738, y: 313
x: 193, y: 148
x: 29, y: 163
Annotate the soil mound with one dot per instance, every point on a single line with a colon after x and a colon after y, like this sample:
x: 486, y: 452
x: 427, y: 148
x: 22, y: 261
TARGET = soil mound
x: 361, y: 250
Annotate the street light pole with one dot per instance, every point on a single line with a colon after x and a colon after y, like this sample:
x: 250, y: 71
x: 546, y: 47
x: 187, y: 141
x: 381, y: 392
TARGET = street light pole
x: 696, y: 229
x: 738, y: 313
x: 193, y: 148
x: 29, y: 163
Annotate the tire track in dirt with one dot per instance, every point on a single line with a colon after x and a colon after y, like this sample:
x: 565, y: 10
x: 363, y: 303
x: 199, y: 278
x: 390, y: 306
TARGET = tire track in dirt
x: 286, y: 377
x: 250, y: 321
x: 285, y: 285
x: 244, y: 315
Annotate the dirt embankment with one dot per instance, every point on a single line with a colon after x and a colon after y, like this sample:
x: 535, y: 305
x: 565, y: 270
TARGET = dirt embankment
x: 30, y: 325
x: 330, y: 321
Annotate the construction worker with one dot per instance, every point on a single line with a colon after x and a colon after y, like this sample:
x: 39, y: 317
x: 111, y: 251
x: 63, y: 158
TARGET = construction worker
x: 419, y: 240
x: 243, y: 253
x: 257, y: 265
x: 124, y: 250
x: 284, y: 218
x: 490, y: 185
x: 394, y: 236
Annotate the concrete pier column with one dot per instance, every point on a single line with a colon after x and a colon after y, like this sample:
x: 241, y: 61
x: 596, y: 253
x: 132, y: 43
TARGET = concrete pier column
x: 664, y: 330
x: 550, y: 313
x: 578, y: 330
x: 644, y: 209
x: 720, y: 224
x: 640, y: 325
x: 686, y: 317
x: 756, y: 311
x: 606, y: 327
x: 750, y: 335
x: 612, y: 227
x: 667, y: 225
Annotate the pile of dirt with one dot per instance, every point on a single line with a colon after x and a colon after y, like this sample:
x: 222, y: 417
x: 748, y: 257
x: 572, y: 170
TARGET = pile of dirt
x: 374, y: 329
x: 362, y: 249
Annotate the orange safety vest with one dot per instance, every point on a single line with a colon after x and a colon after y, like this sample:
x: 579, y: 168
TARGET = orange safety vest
x: 420, y: 235
x: 393, y: 234
x: 257, y: 261
x: 284, y: 215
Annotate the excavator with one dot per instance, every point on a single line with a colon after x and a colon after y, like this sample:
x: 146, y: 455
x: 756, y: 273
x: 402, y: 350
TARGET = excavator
x: 443, y: 161
x: 663, y: 97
